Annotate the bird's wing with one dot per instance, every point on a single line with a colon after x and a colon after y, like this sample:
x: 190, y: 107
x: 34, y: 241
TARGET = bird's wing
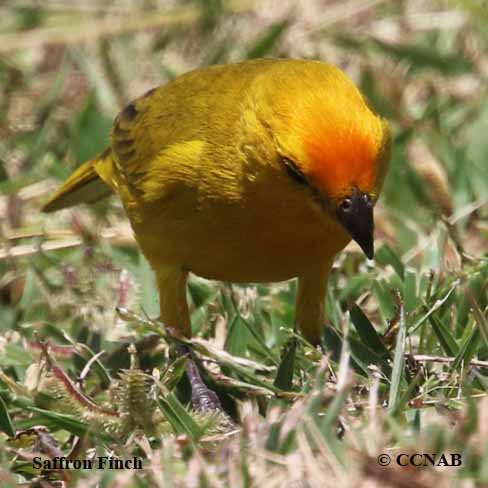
x: 85, y: 185
x: 172, y: 134
x: 161, y: 135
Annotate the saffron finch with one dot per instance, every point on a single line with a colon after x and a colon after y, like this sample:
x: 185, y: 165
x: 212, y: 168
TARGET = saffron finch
x: 259, y: 171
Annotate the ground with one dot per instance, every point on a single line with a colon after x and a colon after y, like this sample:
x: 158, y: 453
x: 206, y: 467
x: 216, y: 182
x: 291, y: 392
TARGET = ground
x: 85, y: 374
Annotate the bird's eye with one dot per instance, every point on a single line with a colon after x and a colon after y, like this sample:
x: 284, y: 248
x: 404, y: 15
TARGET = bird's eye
x: 346, y: 204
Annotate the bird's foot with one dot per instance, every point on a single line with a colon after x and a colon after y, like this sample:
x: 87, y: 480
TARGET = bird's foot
x: 202, y: 397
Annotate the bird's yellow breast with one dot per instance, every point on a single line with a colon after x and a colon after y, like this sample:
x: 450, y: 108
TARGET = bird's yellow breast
x: 267, y: 230
x: 198, y: 167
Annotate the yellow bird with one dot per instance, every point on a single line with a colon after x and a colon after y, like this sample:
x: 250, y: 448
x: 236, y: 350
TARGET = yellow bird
x: 259, y: 171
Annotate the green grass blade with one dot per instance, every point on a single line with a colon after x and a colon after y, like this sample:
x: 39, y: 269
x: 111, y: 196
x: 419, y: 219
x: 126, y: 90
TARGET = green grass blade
x: 385, y: 255
x: 284, y: 375
x: 468, y: 348
x: 6, y: 424
x: 398, y: 363
x: 265, y: 44
x: 367, y: 332
x: 446, y: 339
x: 178, y: 416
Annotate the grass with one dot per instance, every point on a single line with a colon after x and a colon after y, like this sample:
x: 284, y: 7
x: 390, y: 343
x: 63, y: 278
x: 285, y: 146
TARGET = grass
x: 85, y: 372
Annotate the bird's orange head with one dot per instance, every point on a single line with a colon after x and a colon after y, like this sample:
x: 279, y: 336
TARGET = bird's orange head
x: 327, y: 135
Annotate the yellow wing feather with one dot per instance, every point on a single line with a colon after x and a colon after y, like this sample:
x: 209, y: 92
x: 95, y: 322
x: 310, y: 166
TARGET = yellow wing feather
x: 85, y: 185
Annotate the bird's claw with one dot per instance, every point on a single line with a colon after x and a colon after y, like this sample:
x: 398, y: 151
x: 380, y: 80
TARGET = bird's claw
x: 202, y: 397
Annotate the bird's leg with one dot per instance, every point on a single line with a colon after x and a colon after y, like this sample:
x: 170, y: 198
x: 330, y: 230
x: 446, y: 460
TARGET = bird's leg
x: 310, y: 316
x: 172, y: 300
x: 176, y: 316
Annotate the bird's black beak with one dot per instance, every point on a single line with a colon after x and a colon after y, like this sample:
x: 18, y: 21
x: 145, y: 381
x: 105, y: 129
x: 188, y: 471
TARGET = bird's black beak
x: 355, y: 213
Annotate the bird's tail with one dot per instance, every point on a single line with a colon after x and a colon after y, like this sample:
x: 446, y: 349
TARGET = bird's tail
x: 83, y: 186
